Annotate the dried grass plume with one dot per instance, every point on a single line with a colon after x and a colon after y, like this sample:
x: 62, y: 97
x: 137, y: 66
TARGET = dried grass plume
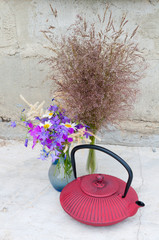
x: 96, y: 68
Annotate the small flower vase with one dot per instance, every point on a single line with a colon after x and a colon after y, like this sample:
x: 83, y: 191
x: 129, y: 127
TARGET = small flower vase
x: 60, y: 172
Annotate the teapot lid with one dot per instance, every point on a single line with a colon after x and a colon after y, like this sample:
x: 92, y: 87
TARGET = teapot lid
x: 99, y: 185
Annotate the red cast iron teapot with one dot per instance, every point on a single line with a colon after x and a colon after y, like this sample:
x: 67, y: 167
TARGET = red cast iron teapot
x: 99, y: 199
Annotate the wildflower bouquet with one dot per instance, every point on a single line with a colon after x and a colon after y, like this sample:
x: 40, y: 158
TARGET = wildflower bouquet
x: 54, y: 131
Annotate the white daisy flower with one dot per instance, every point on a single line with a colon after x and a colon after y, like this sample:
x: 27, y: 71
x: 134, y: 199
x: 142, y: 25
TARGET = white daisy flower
x: 70, y: 125
x: 48, y: 115
x: 46, y: 125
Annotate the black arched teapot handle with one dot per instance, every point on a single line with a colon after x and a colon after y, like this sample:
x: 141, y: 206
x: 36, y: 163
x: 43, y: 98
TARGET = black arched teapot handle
x: 119, y: 159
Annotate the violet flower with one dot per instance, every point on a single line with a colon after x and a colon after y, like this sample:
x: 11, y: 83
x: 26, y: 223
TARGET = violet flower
x: 53, y: 108
x: 13, y: 124
x: 54, y: 157
x: 26, y: 142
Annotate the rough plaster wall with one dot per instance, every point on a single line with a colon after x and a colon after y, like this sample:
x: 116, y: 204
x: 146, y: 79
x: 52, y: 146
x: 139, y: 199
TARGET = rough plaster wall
x: 22, y: 44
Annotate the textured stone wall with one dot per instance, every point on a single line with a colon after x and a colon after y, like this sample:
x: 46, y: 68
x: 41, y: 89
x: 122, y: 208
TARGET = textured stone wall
x: 22, y: 45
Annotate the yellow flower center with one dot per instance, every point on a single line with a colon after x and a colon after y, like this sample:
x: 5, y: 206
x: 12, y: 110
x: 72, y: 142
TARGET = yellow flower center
x: 50, y: 114
x: 46, y: 125
x: 68, y: 125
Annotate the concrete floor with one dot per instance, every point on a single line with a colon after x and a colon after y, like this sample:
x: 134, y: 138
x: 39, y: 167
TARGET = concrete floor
x: 30, y: 207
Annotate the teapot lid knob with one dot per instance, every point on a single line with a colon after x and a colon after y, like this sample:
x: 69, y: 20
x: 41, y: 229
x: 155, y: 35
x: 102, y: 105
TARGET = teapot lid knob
x: 100, y: 178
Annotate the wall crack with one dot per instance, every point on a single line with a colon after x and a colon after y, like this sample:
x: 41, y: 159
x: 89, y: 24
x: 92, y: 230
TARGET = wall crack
x: 4, y: 119
x: 141, y: 185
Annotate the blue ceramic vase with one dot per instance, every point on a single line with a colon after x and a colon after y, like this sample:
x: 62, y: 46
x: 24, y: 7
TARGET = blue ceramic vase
x: 60, y: 172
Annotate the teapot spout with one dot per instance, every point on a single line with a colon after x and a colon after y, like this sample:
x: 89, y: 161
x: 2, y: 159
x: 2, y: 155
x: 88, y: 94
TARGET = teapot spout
x: 133, y: 207
x: 140, y: 204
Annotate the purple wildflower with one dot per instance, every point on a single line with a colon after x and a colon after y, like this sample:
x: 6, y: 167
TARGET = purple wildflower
x: 42, y: 157
x: 70, y: 139
x: 43, y: 135
x: 48, y: 143
x: 87, y: 134
x: 61, y: 147
x: 57, y: 153
x: 34, y: 132
x: 79, y: 126
x: 54, y: 157
x: 64, y: 136
x: 30, y: 125
x: 26, y: 142
x: 26, y: 123
x: 37, y: 118
x: 13, y: 124
x: 71, y: 130
x: 53, y: 108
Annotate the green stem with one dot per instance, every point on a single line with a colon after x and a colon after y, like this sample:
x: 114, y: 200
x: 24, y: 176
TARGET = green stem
x: 91, y: 161
x: 57, y: 167
x: 64, y: 164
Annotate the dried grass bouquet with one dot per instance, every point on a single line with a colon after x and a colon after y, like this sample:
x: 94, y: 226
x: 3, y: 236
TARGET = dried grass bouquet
x: 96, y: 68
